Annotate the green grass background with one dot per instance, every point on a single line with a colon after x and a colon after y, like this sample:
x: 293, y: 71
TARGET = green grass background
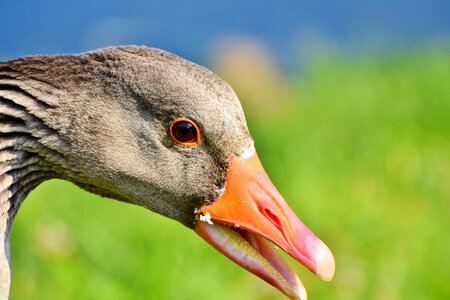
x: 360, y: 148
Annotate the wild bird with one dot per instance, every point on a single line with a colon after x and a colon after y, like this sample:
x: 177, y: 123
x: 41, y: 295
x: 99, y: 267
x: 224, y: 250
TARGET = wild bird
x: 147, y: 127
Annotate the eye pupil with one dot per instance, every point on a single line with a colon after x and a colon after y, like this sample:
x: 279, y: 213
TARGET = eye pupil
x: 185, y: 132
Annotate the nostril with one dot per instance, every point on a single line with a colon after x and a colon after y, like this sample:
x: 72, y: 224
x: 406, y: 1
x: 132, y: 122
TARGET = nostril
x: 272, y: 217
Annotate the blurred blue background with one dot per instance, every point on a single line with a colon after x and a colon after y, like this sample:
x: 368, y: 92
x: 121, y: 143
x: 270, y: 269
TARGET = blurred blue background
x: 349, y: 106
x: 193, y: 28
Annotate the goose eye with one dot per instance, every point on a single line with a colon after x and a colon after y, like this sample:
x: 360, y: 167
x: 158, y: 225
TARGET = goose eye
x: 185, y: 132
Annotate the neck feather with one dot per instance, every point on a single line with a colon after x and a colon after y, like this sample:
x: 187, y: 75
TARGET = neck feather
x: 24, y: 160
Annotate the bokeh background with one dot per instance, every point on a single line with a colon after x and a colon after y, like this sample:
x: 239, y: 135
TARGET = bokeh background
x: 349, y: 106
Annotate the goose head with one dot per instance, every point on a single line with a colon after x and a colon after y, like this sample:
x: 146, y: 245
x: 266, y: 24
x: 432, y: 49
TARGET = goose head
x: 147, y: 127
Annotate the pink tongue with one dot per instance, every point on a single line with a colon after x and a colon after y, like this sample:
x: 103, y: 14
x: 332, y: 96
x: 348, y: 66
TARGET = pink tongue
x: 255, y: 254
x: 268, y: 251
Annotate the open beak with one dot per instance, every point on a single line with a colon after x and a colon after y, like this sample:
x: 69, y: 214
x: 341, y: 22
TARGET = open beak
x: 250, y: 216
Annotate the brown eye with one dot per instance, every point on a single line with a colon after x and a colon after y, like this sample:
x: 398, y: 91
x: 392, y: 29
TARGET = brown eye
x: 185, y: 132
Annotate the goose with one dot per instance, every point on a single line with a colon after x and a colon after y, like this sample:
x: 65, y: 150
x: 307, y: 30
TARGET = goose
x: 147, y: 127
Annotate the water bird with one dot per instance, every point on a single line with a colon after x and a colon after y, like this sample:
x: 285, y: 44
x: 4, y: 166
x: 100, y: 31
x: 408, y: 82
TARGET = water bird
x: 147, y: 127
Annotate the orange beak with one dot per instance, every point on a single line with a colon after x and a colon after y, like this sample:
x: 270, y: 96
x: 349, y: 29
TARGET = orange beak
x: 249, y: 214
